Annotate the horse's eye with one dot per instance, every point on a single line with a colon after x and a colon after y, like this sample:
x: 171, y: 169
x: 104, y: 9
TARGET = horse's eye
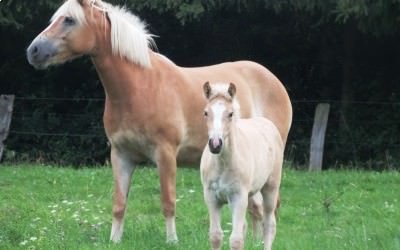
x: 205, y: 113
x: 230, y: 114
x: 69, y: 21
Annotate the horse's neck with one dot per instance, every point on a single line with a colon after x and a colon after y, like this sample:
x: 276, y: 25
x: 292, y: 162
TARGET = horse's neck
x: 120, y: 78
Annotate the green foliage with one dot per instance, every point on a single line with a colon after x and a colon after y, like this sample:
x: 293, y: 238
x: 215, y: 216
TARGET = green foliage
x: 18, y: 13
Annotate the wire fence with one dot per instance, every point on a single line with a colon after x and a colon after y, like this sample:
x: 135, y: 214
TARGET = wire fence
x: 303, y: 116
x: 369, y: 127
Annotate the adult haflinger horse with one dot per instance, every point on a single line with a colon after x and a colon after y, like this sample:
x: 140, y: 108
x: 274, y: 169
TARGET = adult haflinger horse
x: 152, y: 107
x: 243, y: 158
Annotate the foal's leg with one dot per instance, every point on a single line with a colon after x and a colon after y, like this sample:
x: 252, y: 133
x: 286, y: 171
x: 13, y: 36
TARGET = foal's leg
x: 166, y: 163
x: 238, y: 205
x: 215, y: 233
x: 255, y: 209
x: 270, y: 194
x: 122, y: 171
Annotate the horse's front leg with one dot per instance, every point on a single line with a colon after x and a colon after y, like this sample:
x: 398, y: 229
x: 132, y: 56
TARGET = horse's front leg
x: 122, y: 171
x: 238, y: 204
x: 166, y: 163
x: 215, y: 233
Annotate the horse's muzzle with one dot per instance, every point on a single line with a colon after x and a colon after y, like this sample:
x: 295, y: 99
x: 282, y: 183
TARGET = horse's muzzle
x: 40, y: 51
x: 215, y: 145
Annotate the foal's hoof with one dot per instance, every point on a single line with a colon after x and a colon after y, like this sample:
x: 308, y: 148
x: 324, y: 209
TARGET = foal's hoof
x: 172, y: 239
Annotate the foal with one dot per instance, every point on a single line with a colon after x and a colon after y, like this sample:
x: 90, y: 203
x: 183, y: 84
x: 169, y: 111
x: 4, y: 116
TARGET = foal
x: 243, y: 157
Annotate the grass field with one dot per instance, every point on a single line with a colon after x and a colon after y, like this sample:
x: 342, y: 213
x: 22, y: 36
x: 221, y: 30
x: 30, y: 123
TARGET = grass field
x: 44, y: 207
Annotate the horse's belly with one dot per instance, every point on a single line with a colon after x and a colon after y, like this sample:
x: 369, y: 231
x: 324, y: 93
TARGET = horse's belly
x: 189, y: 155
x: 133, y: 145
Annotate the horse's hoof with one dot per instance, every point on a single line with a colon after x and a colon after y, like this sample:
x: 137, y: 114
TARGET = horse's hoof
x: 172, y: 239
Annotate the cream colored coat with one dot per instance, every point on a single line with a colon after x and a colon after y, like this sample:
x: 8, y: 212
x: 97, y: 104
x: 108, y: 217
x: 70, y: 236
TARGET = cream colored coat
x: 249, y: 162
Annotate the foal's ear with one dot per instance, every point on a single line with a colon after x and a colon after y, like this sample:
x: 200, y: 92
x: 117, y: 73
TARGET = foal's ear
x: 81, y: 2
x: 207, y: 89
x: 232, y: 90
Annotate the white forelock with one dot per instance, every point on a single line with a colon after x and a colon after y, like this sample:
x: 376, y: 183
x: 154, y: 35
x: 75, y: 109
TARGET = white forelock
x: 221, y: 89
x: 72, y: 9
x: 129, y: 36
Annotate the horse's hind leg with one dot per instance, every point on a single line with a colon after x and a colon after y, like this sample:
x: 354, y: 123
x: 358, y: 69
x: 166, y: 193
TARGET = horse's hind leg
x: 166, y: 163
x: 122, y: 171
x: 255, y: 209
x: 270, y: 194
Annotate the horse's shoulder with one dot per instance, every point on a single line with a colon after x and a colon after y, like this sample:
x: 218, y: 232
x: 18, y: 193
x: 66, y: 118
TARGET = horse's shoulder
x: 258, y: 126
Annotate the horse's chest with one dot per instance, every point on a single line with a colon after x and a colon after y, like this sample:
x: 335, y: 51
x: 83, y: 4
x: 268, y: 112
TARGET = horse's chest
x: 136, y: 144
x: 223, y: 187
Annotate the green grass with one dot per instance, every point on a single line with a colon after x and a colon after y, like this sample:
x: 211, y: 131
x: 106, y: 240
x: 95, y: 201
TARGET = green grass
x: 44, y: 207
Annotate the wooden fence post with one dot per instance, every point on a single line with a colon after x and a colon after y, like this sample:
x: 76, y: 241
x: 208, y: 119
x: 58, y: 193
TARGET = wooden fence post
x: 318, y: 136
x: 6, y: 108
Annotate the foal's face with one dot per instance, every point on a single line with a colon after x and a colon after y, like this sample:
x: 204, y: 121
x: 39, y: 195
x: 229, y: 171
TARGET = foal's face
x: 69, y: 35
x: 218, y: 114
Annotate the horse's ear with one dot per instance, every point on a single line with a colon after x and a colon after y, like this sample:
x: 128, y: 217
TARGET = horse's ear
x: 232, y: 90
x: 207, y: 89
x: 81, y: 2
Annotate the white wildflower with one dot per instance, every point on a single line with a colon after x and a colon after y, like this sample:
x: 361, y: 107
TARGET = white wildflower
x: 23, y: 243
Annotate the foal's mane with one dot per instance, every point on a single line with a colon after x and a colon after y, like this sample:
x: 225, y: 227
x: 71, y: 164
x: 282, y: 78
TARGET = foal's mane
x: 220, y: 90
x: 129, y: 36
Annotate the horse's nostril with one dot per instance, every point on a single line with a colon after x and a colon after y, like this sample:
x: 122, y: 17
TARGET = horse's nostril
x: 215, y: 145
x: 34, y: 51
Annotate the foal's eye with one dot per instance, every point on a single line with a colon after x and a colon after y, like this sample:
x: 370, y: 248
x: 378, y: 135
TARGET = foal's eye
x: 230, y: 115
x: 205, y: 113
x: 69, y: 21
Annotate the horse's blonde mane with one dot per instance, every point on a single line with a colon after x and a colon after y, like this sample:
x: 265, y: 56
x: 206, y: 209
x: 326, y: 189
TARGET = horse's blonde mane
x: 129, y: 36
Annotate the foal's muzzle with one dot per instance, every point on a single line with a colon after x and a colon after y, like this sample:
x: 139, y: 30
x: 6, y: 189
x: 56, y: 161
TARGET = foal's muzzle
x: 40, y: 51
x: 215, y: 145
